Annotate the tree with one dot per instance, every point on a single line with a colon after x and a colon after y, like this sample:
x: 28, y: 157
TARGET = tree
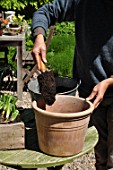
x: 23, y: 7
x: 21, y: 4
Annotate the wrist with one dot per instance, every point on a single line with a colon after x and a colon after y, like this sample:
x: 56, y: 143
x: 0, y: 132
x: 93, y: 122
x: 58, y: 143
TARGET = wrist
x: 110, y: 81
x: 39, y: 38
x: 38, y: 31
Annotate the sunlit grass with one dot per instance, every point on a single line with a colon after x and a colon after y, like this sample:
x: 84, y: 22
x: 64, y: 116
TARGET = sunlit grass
x: 60, y: 55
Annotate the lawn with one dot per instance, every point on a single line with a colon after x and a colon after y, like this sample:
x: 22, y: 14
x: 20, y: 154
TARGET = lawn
x: 60, y: 54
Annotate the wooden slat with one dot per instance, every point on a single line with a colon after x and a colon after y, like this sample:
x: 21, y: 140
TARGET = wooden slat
x: 12, y: 136
x: 32, y: 159
x: 27, y: 56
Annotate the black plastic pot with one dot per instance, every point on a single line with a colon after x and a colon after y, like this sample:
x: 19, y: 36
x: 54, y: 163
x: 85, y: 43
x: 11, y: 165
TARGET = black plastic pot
x: 64, y: 86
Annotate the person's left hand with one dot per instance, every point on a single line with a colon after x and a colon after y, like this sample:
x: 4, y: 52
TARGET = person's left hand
x: 99, y: 91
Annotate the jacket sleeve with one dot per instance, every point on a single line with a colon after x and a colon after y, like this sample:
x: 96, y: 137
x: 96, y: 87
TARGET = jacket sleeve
x: 49, y: 14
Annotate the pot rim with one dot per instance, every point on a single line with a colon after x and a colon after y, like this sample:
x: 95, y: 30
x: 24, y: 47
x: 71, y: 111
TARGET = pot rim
x: 66, y: 115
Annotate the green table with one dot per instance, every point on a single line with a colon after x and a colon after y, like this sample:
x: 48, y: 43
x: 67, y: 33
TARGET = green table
x: 26, y: 158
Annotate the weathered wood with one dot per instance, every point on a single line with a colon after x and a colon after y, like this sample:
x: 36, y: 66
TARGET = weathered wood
x: 19, y: 42
x: 27, y: 56
x: 32, y: 159
x: 12, y: 136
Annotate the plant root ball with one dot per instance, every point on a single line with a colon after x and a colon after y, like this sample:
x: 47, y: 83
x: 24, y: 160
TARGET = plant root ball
x: 47, y: 86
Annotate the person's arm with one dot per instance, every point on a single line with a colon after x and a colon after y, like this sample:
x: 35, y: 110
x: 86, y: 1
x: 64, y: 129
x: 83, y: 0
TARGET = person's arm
x: 49, y: 14
x: 99, y: 91
x: 37, y: 31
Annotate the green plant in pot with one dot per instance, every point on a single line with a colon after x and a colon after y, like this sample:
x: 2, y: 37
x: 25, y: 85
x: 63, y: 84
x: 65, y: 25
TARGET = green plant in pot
x: 15, y: 25
x: 8, y: 110
x: 16, y: 21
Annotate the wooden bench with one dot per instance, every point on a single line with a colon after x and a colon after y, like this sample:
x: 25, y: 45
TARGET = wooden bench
x: 31, y: 157
x: 27, y: 59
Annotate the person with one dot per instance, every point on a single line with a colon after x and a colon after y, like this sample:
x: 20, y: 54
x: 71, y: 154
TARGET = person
x: 93, y: 60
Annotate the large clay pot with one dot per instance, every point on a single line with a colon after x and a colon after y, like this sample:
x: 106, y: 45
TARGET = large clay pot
x: 61, y: 128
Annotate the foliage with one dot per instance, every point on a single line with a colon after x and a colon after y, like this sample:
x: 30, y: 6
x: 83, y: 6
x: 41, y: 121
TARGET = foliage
x: 60, y: 55
x: 8, y: 111
x: 14, y: 4
x: 23, y: 7
x: 64, y: 28
x: 11, y: 56
x: 21, y: 4
x: 29, y: 42
x: 18, y: 20
x: 62, y: 46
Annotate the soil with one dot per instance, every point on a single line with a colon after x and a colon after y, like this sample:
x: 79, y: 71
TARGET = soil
x: 85, y: 162
x: 47, y: 86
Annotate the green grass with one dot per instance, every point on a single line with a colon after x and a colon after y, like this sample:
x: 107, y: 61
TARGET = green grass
x: 60, y: 55
x: 1, y: 54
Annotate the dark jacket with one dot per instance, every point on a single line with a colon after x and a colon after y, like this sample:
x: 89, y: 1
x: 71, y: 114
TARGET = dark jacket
x: 93, y: 61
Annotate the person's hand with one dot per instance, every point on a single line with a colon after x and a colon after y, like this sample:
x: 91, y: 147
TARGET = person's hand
x: 39, y: 50
x: 99, y: 91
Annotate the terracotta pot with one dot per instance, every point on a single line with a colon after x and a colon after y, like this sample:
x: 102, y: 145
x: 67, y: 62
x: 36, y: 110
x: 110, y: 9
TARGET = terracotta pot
x: 61, y: 128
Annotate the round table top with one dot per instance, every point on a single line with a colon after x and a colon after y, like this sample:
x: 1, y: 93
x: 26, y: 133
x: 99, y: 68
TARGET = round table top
x: 32, y: 159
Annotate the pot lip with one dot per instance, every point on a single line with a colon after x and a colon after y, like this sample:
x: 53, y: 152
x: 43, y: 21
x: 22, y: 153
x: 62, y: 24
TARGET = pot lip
x: 65, y: 115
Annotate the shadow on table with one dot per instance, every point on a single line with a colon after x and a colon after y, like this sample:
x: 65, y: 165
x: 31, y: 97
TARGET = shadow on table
x: 28, y: 117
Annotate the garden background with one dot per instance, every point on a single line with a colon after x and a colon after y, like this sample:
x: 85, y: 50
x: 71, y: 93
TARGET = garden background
x: 59, y: 55
x: 61, y: 49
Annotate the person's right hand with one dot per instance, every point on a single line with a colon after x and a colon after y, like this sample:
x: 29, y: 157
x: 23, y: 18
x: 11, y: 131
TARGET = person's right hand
x: 39, y: 50
x: 99, y: 91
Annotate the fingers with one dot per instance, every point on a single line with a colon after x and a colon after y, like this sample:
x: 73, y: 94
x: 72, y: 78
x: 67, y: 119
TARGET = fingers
x: 97, y: 101
x: 39, y: 54
x: 96, y: 96
x: 43, y: 54
x: 39, y: 51
x: 92, y: 95
x: 37, y: 58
